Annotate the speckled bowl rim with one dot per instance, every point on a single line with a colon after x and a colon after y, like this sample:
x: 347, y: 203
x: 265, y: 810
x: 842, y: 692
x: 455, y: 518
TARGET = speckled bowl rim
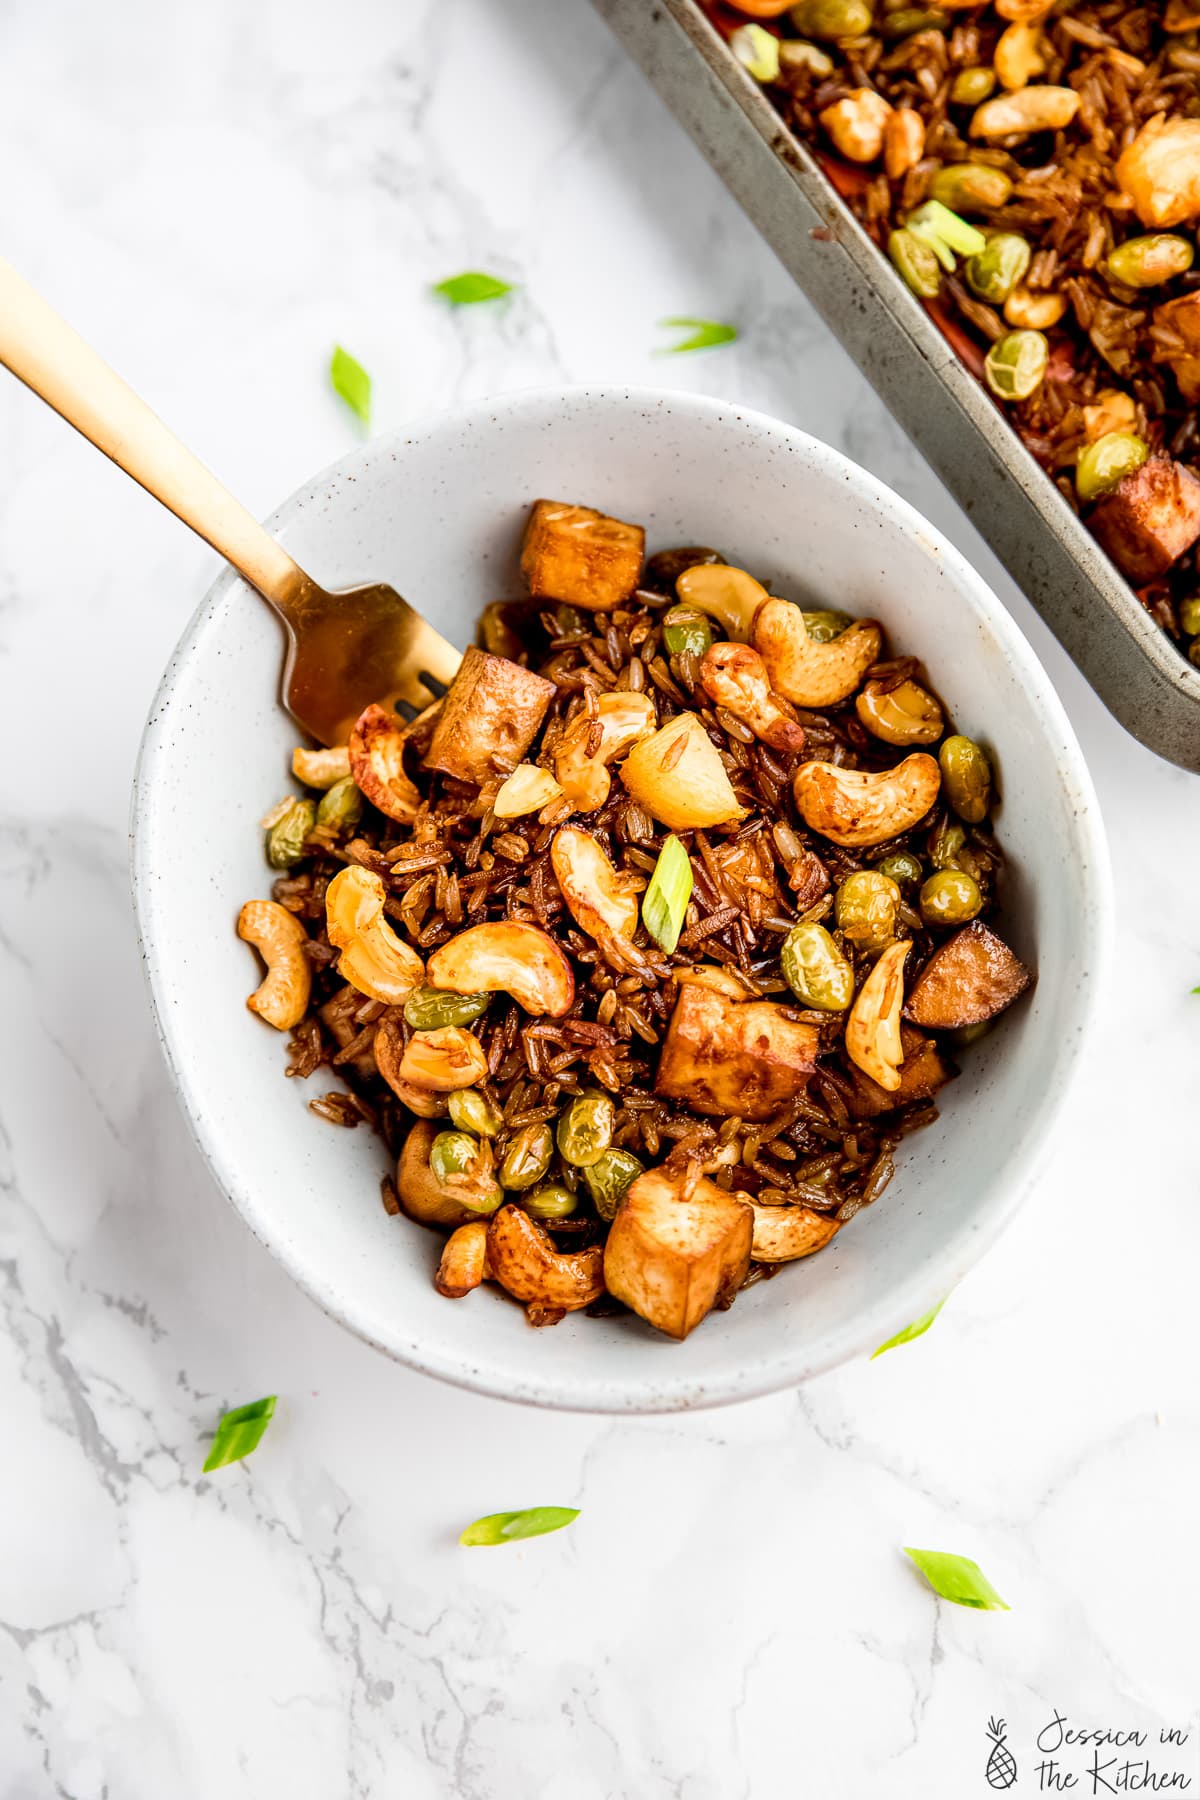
x: 656, y: 1393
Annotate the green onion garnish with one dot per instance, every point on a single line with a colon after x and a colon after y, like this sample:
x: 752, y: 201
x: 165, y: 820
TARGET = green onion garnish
x: 917, y: 1329
x: 703, y: 334
x: 506, y: 1528
x: 757, y: 51
x: 945, y: 232
x: 240, y: 1432
x: 957, y: 1578
x: 665, y: 901
x: 352, y: 382
x: 469, y: 288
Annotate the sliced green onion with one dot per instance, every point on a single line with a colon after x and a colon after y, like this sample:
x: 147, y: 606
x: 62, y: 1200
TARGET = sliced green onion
x: 703, y: 334
x: 240, y: 1432
x: 665, y: 901
x: 757, y: 50
x: 917, y: 1329
x: 957, y: 1578
x: 945, y: 232
x: 352, y: 382
x: 472, y: 286
x: 507, y: 1527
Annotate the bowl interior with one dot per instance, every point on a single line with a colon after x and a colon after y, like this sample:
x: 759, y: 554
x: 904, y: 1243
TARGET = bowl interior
x: 439, y: 513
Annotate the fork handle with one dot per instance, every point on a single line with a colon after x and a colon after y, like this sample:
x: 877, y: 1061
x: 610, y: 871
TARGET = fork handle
x: 44, y: 352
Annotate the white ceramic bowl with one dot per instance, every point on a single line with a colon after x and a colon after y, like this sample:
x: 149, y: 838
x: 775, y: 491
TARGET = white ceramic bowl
x: 438, y: 512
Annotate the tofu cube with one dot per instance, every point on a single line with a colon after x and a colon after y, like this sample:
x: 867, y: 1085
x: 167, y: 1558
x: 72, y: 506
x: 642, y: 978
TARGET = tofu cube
x: 672, y: 1260
x: 1176, y: 342
x: 1160, y: 172
x: 579, y: 555
x: 738, y: 1058
x: 968, y: 980
x: 491, y: 714
x: 1149, y: 519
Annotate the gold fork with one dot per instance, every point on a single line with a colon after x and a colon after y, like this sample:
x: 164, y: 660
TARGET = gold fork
x: 345, y: 647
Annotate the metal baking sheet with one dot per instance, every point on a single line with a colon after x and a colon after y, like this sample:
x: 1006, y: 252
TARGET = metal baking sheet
x: 1133, y: 666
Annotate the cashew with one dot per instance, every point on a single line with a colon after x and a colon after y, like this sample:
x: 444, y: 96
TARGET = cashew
x: 1030, y: 109
x: 527, y: 790
x: 599, y: 897
x: 389, y: 1053
x: 464, y: 1261
x: 903, y: 142
x: 808, y: 673
x: 717, y: 976
x: 373, y: 959
x: 279, y: 938
x: 735, y: 677
x: 524, y: 1261
x: 782, y: 1233
x: 726, y: 594
x: 1019, y: 55
x: 321, y: 768
x: 854, y: 808
x: 507, y: 957
x: 458, y: 1201
x: 376, y: 753
x: 446, y: 1058
x: 856, y: 123
x: 584, y: 778
x: 678, y: 777
x: 873, y: 1029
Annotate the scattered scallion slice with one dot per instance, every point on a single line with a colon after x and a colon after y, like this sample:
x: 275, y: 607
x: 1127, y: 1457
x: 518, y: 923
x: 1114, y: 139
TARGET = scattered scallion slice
x: 665, y: 901
x: 703, y: 334
x: 945, y: 233
x: 917, y: 1329
x: 957, y: 1578
x: 240, y: 1432
x: 472, y: 286
x: 757, y: 50
x: 352, y: 382
x: 507, y: 1527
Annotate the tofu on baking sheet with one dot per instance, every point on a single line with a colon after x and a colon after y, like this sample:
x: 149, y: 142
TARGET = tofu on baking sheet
x: 1150, y: 519
x: 579, y: 555
x: 491, y: 714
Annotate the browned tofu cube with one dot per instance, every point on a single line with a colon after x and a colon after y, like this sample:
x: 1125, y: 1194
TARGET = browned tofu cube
x: 577, y: 554
x: 923, y: 1071
x: 489, y: 718
x: 672, y: 1260
x: 739, y: 1058
x: 967, y: 981
x: 1176, y: 342
x: 1149, y: 519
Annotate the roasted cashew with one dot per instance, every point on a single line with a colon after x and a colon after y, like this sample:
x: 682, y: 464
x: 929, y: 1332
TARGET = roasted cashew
x: 854, y: 808
x: 388, y: 1046
x: 782, y: 1233
x: 464, y: 1261
x: 623, y: 719
x: 735, y: 677
x: 376, y: 753
x: 524, y: 1261
x: 873, y: 1028
x: 373, y: 959
x: 1030, y: 109
x: 507, y: 957
x: 729, y: 595
x: 598, y: 896
x: 444, y: 1059
x: 808, y: 673
x: 677, y: 776
x: 321, y: 768
x: 279, y: 938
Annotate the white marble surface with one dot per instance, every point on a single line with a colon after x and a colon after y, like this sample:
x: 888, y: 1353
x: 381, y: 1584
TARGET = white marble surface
x: 214, y: 194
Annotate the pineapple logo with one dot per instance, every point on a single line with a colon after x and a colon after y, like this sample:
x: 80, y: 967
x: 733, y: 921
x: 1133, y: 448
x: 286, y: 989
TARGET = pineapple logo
x: 1001, y: 1764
